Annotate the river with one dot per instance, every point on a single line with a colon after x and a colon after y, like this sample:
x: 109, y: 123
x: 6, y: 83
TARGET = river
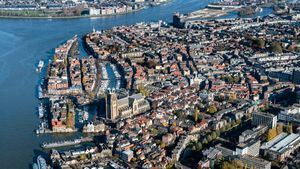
x: 23, y: 42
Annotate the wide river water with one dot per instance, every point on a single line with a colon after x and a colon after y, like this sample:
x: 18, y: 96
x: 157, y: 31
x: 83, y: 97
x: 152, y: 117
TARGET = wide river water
x: 23, y: 42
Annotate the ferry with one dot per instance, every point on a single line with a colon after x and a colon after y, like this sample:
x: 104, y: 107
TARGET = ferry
x: 61, y: 143
x: 41, y: 162
x: 40, y: 66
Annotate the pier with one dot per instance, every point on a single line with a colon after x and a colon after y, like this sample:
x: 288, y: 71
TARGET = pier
x: 66, y: 143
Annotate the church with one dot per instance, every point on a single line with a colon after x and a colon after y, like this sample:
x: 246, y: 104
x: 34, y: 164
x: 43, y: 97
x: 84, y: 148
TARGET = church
x: 125, y: 107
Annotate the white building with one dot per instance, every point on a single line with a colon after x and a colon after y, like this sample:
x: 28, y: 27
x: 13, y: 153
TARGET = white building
x: 250, y: 148
x: 94, y: 11
x: 127, y: 155
x: 261, y: 118
x: 282, y: 146
x: 290, y: 114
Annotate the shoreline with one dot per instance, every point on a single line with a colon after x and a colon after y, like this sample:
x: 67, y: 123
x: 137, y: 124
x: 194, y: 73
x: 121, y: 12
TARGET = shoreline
x: 71, y: 17
x: 83, y: 16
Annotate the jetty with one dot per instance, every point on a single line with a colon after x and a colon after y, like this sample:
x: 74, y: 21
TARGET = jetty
x: 66, y: 143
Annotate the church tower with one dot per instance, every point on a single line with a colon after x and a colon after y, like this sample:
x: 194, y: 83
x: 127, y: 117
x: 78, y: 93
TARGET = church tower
x: 111, y: 106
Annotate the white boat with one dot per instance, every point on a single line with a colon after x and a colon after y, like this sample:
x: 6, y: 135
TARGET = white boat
x: 40, y: 92
x: 35, y: 166
x: 118, y: 84
x: 40, y: 66
x: 85, y: 116
x: 41, y: 163
x: 41, y: 111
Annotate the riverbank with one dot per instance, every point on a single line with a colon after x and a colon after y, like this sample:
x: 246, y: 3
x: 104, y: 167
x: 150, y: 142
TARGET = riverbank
x: 70, y: 17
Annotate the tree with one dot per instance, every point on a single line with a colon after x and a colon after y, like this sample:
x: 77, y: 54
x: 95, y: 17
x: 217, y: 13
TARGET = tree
x: 233, y: 123
x: 162, y: 145
x: 238, y: 121
x: 204, y: 141
x: 192, y: 144
x: 209, y: 138
x: 222, y: 129
x: 213, y: 135
x: 198, y: 146
x: 228, y: 126
x: 212, y: 109
x: 234, y: 164
x: 279, y: 128
x: 70, y: 120
x: 217, y: 133
x: 276, y: 47
x: 143, y: 90
x: 229, y: 79
x: 82, y: 157
x: 290, y: 128
x: 170, y: 165
x: 180, y: 114
x: 196, y: 114
x: 151, y: 64
x: 260, y: 43
x: 271, y: 134
x: 236, y: 79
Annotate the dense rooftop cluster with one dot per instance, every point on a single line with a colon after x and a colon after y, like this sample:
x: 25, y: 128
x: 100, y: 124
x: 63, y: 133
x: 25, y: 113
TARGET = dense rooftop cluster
x: 191, y: 96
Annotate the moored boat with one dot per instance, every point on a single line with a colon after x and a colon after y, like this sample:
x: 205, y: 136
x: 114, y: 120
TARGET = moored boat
x: 40, y: 66
x: 41, y: 162
x: 41, y: 111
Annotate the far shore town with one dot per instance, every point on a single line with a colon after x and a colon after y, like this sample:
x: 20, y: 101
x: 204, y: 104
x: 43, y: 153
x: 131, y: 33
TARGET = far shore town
x: 72, y: 8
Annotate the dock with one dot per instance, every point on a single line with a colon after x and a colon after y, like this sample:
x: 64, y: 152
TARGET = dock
x: 66, y: 143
